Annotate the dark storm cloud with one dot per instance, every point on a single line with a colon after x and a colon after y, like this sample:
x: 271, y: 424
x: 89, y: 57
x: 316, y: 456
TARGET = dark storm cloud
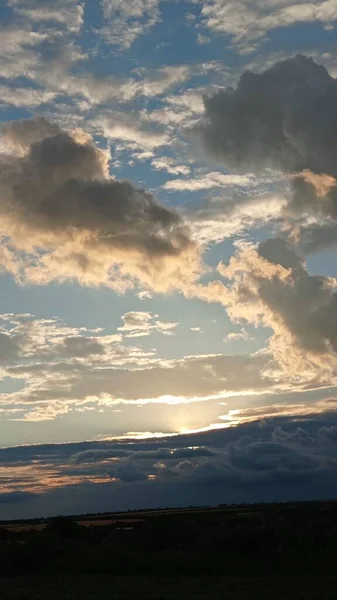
x: 284, y: 118
x: 306, y: 303
x: 98, y: 454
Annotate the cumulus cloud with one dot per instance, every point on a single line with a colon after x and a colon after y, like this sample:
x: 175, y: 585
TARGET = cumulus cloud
x: 18, y: 136
x: 64, y: 217
x: 295, y: 134
x: 271, y: 286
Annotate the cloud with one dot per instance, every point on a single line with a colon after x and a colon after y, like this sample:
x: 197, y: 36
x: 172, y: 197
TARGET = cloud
x: 163, y: 79
x: 98, y: 454
x: 248, y: 23
x: 105, y: 89
x: 53, y: 369
x: 135, y: 130
x: 24, y: 97
x: 235, y: 336
x: 64, y: 217
x: 271, y: 286
x: 222, y: 217
x: 191, y: 100
x: 166, y: 163
x: 18, y: 50
x: 283, y: 459
x: 18, y: 136
x: 77, y: 346
x: 68, y: 12
x: 126, y: 20
x: 311, y: 211
x: 128, y: 472
x: 211, y: 180
x: 144, y: 295
x: 203, y: 39
x: 140, y: 323
x: 295, y: 133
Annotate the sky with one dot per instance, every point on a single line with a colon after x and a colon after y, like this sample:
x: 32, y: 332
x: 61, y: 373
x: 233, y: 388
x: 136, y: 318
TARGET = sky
x: 168, y: 223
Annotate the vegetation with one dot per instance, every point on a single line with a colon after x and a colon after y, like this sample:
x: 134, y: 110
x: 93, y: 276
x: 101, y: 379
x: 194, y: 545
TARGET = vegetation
x: 251, y: 541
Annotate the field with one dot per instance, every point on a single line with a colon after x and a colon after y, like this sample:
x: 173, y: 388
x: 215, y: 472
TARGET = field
x: 285, y: 551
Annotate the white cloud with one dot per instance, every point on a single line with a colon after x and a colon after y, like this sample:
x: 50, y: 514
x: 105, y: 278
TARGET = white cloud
x: 166, y: 163
x: 191, y: 99
x: 236, y: 336
x: 67, y: 12
x: 18, y: 55
x: 222, y: 218
x: 248, y: 22
x: 24, y: 96
x: 141, y: 323
x: 203, y: 39
x: 126, y: 20
x: 211, y: 180
x: 144, y: 295
x: 134, y: 129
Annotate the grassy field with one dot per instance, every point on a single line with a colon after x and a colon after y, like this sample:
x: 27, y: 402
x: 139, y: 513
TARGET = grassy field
x: 276, y: 552
x: 302, y: 587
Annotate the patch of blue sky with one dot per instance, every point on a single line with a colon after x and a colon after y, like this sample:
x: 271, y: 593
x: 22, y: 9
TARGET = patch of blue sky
x: 6, y: 14
x: 10, y: 386
x: 300, y: 37
x: 323, y: 263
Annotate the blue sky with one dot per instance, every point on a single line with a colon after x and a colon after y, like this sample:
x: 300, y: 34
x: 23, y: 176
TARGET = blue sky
x: 168, y: 221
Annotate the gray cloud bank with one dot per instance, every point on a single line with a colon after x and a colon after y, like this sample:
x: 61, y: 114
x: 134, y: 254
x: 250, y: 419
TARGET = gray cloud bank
x: 282, y: 460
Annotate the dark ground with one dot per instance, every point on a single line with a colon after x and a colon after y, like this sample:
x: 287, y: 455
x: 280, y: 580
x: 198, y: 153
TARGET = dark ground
x: 259, y: 552
x: 304, y: 587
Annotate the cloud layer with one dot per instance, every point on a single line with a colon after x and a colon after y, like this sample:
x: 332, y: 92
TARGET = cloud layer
x: 279, y: 461
x: 63, y: 216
